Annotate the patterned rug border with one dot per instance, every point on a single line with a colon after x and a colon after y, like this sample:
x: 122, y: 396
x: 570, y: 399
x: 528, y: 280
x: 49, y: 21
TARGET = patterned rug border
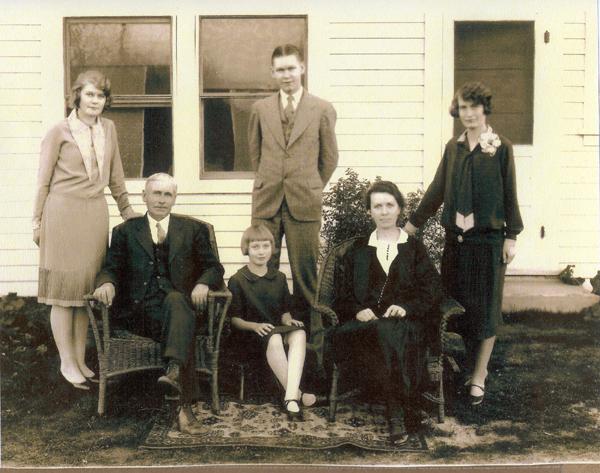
x: 163, y: 424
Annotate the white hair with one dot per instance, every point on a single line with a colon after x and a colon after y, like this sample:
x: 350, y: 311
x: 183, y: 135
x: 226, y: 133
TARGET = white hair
x: 162, y: 176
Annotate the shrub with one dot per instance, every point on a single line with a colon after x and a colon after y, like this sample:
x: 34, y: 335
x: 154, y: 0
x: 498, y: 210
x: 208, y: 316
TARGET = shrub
x: 432, y: 233
x: 345, y: 216
x: 28, y: 354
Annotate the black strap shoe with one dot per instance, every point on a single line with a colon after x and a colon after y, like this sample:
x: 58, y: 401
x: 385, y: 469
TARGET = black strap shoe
x: 172, y: 378
x: 291, y: 415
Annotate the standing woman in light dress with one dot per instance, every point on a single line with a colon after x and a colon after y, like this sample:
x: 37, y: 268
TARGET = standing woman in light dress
x: 476, y: 182
x: 79, y: 157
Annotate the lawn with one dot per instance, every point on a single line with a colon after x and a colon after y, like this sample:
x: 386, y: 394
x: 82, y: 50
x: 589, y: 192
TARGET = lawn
x: 542, y: 405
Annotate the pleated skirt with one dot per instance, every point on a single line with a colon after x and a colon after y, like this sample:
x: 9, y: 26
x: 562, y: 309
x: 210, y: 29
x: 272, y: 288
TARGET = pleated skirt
x: 473, y: 274
x: 73, y: 244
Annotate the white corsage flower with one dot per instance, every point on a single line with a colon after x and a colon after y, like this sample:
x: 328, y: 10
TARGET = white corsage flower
x: 489, y: 141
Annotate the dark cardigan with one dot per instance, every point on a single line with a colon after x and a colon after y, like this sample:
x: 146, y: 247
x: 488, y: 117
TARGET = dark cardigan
x: 413, y: 282
x: 495, y: 203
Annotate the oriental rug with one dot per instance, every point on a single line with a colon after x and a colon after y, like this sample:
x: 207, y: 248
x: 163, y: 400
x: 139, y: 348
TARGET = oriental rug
x: 265, y: 425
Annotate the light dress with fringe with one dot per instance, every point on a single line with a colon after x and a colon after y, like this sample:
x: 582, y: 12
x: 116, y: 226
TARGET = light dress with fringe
x: 71, y: 209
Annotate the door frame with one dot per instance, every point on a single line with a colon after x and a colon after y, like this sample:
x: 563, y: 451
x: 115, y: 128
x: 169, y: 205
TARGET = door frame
x: 544, y: 177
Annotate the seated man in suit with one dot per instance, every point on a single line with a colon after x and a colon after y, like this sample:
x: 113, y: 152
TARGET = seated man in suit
x: 158, y: 270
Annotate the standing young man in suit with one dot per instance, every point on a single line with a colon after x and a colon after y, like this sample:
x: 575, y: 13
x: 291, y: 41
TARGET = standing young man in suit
x: 158, y: 270
x: 294, y: 153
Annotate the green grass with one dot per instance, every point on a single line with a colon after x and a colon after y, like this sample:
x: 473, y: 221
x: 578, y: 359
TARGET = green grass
x: 542, y: 404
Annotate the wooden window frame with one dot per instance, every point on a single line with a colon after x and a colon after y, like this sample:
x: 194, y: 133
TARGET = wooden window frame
x: 248, y: 95
x: 123, y: 101
x: 120, y: 100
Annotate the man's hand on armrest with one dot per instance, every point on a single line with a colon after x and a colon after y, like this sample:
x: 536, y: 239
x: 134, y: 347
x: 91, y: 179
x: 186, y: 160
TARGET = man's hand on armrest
x: 200, y: 296
x: 105, y: 293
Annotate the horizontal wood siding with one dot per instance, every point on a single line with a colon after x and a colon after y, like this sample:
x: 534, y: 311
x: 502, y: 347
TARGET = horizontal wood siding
x: 20, y: 135
x: 579, y: 213
x: 377, y: 81
x: 373, y: 70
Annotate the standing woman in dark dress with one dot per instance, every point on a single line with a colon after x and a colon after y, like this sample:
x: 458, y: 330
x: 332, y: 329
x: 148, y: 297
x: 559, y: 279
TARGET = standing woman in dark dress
x: 476, y: 183
x: 385, y: 288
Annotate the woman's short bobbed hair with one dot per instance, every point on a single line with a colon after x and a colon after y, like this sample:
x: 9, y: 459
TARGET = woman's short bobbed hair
x: 256, y: 233
x: 474, y: 92
x: 387, y: 187
x: 97, y: 79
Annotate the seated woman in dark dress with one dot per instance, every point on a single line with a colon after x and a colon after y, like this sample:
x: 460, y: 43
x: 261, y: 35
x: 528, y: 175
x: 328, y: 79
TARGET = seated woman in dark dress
x: 386, y: 287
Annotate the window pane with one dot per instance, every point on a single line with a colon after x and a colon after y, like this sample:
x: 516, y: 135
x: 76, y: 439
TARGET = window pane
x: 236, y: 52
x: 226, y: 134
x: 501, y: 55
x: 145, y: 140
x: 135, y: 56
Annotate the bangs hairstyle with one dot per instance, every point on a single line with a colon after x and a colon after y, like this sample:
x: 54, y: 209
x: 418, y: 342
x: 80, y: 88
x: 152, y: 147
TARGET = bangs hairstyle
x: 387, y: 187
x: 256, y: 233
x: 98, y: 80
x: 474, y: 92
x: 287, y: 50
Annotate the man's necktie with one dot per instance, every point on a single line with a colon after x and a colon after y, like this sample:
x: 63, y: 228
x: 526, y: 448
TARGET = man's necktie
x: 289, y: 116
x: 289, y: 109
x: 160, y: 233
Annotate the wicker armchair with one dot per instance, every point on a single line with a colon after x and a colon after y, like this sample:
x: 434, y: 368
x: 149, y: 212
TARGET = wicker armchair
x: 121, y: 352
x: 435, y: 356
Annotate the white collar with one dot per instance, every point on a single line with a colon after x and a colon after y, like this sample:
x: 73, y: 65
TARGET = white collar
x: 164, y: 223
x: 296, y: 97
x: 86, y: 137
x: 402, y: 238
x: 463, y: 135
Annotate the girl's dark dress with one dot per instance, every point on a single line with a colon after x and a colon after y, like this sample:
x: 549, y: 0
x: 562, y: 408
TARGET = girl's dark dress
x: 387, y: 354
x: 261, y: 299
x: 472, y: 267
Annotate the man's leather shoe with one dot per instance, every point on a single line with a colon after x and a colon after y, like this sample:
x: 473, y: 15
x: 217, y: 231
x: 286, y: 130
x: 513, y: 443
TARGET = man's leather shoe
x: 398, y: 433
x: 171, y: 378
x: 187, y: 423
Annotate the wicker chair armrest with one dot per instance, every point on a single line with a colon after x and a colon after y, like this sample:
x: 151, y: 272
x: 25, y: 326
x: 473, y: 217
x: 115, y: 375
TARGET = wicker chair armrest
x: 220, y: 293
x: 92, y: 302
x: 102, y: 337
x: 449, y: 307
x: 218, y: 305
x: 328, y: 314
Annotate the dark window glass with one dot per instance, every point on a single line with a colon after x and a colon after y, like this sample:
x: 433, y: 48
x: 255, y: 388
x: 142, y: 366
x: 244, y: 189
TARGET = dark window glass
x: 501, y: 55
x: 235, y: 72
x: 142, y: 133
x: 135, y: 54
x: 225, y: 134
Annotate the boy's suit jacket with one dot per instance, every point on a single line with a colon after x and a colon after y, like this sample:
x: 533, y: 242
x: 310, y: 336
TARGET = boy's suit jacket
x: 299, y: 170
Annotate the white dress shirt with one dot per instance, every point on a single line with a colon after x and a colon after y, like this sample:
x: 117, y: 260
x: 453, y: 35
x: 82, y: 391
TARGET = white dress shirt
x: 164, y: 223
x: 296, y: 96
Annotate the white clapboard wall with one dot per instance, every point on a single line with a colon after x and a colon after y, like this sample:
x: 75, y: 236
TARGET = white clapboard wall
x: 578, y: 209
x: 379, y: 70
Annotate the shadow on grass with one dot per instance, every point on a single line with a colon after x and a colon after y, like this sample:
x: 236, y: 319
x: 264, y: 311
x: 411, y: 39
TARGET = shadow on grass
x: 543, y: 386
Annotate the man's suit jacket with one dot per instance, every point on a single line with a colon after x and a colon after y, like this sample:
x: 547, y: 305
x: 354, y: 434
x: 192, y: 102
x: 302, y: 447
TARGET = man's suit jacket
x: 130, y: 260
x: 299, y: 170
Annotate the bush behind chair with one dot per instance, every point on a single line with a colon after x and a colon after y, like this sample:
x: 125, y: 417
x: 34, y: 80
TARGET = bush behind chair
x: 345, y: 216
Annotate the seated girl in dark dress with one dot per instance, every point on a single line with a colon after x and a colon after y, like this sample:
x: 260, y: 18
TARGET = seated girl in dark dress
x: 262, y: 321
x: 386, y: 286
